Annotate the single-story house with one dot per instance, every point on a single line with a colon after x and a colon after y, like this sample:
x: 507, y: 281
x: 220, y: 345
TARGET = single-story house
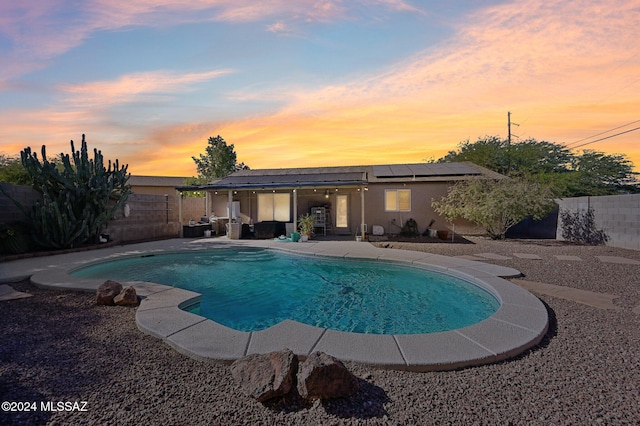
x: 158, y: 185
x: 345, y: 200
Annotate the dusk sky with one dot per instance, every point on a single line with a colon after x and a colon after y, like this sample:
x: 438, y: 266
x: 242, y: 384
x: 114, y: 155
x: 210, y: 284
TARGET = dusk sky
x: 297, y: 83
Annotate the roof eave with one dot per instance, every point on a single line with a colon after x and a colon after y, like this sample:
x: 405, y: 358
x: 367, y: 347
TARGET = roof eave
x: 272, y: 186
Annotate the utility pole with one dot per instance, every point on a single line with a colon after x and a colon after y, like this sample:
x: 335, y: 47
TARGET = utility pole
x: 508, y: 128
x: 509, y: 140
x: 509, y: 123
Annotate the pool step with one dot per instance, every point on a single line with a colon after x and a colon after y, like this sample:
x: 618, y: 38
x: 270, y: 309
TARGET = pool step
x: 245, y: 256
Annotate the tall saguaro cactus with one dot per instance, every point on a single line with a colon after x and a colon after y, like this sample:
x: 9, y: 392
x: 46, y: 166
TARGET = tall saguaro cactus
x: 79, y: 197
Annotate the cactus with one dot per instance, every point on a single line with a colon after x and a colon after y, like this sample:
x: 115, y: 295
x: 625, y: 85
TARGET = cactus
x: 79, y: 195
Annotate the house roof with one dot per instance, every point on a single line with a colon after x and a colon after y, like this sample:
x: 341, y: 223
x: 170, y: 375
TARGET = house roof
x: 170, y: 181
x: 347, y: 176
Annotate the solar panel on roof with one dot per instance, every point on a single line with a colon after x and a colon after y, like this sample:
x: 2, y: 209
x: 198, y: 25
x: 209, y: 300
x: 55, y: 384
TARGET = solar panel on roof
x: 423, y: 170
x: 291, y: 179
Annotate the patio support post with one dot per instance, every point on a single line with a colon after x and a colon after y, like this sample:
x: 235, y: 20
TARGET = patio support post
x: 180, y: 233
x: 295, y: 210
x: 230, y: 205
x: 362, y: 212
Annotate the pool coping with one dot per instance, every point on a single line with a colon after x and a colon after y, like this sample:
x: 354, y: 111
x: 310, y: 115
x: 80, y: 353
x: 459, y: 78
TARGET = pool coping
x: 519, y: 324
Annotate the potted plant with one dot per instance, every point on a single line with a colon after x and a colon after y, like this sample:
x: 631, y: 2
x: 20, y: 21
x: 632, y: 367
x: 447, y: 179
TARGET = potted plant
x: 306, y: 223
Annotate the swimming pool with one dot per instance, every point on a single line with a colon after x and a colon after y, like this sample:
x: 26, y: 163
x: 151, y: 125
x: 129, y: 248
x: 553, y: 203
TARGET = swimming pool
x: 251, y: 289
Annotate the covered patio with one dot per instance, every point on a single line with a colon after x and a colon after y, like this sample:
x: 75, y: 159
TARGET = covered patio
x: 336, y: 199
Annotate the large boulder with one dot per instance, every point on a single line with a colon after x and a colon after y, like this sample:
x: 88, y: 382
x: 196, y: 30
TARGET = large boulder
x: 127, y: 297
x: 323, y: 376
x: 107, y: 292
x: 266, y: 376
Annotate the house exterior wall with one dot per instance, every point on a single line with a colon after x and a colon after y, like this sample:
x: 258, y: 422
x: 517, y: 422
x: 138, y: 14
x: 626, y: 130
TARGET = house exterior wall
x: 422, y: 195
x: 617, y: 215
x: 155, y: 190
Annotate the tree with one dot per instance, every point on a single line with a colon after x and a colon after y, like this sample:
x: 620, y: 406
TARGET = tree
x: 496, y: 205
x: 570, y: 174
x: 526, y: 158
x: 489, y: 152
x: 218, y: 161
x: 597, y: 173
x: 12, y: 171
x: 78, y: 199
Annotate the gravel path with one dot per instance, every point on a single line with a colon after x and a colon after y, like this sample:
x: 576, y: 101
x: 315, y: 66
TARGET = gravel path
x: 60, y: 346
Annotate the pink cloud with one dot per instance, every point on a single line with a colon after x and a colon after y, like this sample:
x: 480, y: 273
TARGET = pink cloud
x: 131, y: 86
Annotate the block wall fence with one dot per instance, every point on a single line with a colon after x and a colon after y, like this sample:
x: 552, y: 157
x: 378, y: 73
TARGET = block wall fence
x: 151, y: 216
x: 617, y: 215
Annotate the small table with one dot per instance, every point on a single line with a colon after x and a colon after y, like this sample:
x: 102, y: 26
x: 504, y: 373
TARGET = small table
x: 195, y: 231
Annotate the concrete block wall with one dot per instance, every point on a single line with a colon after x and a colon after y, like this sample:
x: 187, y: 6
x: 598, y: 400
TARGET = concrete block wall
x: 151, y: 216
x: 617, y: 215
x: 192, y: 208
x: 25, y: 195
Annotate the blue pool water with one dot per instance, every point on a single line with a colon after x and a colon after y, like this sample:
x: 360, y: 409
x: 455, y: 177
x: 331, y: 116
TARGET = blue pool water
x: 251, y: 289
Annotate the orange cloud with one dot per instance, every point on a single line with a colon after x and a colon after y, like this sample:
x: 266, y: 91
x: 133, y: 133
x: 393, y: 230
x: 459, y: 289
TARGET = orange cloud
x: 543, y: 61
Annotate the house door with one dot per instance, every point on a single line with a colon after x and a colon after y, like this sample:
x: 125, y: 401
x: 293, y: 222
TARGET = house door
x: 342, y: 212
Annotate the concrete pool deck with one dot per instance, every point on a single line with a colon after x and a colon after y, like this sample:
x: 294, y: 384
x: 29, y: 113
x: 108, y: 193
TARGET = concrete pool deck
x: 520, y: 323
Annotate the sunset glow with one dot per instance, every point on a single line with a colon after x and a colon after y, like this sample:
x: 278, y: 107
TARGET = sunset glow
x: 315, y: 83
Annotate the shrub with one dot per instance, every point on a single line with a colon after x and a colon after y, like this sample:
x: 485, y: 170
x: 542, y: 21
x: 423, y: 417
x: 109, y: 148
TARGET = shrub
x: 496, y: 205
x: 410, y: 229
x: 580, y: 227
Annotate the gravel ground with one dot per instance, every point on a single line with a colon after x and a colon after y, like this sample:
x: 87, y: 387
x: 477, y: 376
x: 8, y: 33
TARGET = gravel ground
x: 60, y: 346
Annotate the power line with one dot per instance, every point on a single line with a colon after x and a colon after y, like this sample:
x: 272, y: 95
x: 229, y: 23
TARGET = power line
x: 608, y: 137
x: 602, y: 133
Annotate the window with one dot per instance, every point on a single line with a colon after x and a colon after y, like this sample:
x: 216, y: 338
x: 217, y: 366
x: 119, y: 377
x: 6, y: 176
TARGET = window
x: 274, y: 206
x: 397, y: 200
x: 341, y: 211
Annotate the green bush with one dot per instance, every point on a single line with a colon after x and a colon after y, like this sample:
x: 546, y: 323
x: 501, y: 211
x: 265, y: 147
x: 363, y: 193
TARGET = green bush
x: 410, y: 229
x: 580, y: 227
x: 496, y: 205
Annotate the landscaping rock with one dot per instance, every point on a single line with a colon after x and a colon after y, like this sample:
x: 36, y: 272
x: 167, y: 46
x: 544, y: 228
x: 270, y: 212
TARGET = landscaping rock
x: 107, y: 292
x: 323, y: 376
x: 127, y: 297
x: 266, y: 376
